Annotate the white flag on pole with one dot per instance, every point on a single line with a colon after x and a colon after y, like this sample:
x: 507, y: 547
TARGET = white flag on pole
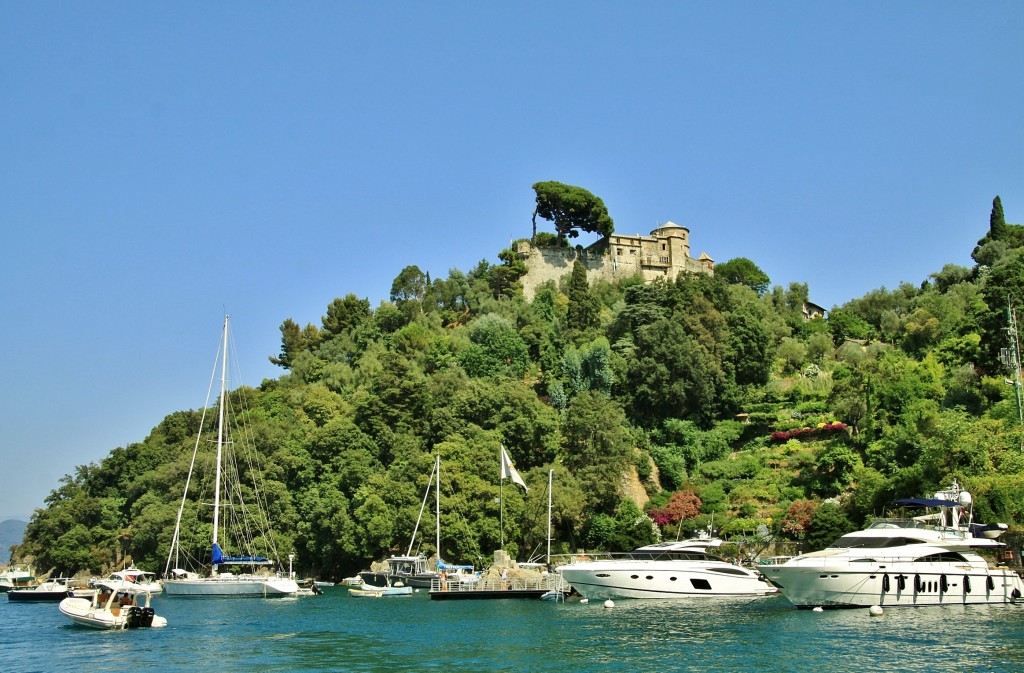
x: 508, y: 470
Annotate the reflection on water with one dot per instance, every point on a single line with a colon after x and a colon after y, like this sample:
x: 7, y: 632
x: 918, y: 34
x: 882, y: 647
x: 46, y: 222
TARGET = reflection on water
x: 335, y: 632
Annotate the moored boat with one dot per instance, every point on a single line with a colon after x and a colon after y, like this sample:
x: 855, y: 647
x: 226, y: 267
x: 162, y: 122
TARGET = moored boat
x: 371, y: 591
x: 911, y: 560
x: 132, y: 578
x: 16, y: 577
x: 678, y: 569
x: 53, y: 589
x: 250, y: 519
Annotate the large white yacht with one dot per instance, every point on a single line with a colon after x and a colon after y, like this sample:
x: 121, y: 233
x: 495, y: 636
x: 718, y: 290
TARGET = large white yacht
x: 928, y: 559
x: 664, y: 570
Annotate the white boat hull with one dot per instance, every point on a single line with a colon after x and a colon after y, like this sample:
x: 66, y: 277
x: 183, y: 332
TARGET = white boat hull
x: 369, y: 591
x: 231, y: 587
x: 600, y: 580
x: 808, y: 586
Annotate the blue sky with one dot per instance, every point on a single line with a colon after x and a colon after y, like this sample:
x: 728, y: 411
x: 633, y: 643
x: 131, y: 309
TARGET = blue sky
x: 161, y: 164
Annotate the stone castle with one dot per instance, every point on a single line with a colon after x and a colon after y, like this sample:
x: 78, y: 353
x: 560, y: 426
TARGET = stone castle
x: 663, y: 254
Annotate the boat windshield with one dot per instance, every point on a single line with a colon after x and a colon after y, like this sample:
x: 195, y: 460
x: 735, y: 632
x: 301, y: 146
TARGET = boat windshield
x: 869, y: 542
x: 673, y: 556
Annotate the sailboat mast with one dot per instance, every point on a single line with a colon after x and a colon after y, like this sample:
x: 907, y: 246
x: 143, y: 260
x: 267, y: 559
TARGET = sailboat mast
x: 220, y: 429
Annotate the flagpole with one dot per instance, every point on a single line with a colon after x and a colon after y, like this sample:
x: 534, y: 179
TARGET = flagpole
x: 550, y: 474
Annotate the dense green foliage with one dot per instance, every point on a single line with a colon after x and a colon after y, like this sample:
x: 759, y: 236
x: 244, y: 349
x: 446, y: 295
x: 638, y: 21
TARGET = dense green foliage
x: 571, y: 209
x: 670, y: 402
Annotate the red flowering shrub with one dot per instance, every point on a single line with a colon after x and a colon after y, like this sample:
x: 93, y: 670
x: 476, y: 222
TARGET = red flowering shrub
x: 682, y: 505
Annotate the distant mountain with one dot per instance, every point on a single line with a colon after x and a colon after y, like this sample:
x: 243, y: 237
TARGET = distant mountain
x: 11, y: 533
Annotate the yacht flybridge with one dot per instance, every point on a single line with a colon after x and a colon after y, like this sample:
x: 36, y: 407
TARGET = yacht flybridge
x: 913, y: 560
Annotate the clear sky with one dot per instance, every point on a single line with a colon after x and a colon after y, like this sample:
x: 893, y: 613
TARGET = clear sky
x: 162, y: 163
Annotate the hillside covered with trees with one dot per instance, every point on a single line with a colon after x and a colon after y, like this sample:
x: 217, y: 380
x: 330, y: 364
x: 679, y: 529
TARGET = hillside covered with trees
x: 658, y: 406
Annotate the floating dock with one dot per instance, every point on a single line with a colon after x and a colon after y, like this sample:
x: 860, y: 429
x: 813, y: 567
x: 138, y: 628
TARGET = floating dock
x: 491, y: 588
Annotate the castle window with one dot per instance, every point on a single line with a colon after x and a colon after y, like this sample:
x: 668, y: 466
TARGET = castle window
x: 662, y: 246
x: 618, y: 251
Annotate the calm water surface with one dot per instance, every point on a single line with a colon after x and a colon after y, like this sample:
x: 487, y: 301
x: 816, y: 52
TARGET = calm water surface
x: 335, y: 632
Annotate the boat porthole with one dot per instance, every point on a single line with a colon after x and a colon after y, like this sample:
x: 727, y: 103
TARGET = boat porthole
x: 672, y: 579
x: 650, y: 577
x: 634, y: 577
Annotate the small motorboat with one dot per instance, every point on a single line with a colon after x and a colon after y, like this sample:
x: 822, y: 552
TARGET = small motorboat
x: 371, y: 591
x: 53, y: 589
x: 111, y: 608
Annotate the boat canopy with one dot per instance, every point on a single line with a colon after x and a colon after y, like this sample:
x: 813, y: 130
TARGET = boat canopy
x: 925, y: 502
x: 220, y: 559
x: 441, y: 565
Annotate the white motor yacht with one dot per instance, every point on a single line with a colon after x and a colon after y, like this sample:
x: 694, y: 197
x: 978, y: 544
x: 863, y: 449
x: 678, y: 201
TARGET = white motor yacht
x: 664, y: 570
x: 923, y: 560
x: 133, y: 578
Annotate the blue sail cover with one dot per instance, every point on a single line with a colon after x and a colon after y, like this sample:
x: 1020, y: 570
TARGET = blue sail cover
x: 219, y: 558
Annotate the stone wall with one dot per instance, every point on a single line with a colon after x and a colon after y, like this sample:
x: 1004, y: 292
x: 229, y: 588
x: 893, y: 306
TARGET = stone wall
x: 616, y: 263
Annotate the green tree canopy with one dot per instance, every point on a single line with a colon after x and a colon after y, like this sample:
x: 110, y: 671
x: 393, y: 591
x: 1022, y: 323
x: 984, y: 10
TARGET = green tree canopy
x: 572, y: 209
x: 742, y: 271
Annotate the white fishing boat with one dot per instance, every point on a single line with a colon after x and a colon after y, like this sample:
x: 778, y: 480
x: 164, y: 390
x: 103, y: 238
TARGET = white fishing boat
x: 413, y: 570
x: 132, y: 578
x: 246, y: 520
x: 911, y: 560
x: 53, y: 589
x: 112, y: 606
x: 679, y: 569
x: 16, y: 577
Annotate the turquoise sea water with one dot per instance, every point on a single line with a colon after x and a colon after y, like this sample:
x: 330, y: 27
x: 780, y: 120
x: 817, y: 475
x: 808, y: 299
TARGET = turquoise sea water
x: 336, y: 632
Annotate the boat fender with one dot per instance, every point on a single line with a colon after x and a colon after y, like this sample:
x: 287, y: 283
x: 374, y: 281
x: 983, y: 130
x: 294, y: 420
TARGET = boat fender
x: 1015, y: 594
x: 967, y: 584
x: 901, y: 582
x: 885, y: 583
x: 989, y: 584
x: 943, y: 584
x: 918, y: 584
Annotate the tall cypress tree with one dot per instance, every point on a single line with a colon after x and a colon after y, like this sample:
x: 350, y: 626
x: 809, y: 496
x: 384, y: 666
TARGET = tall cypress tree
x: 996, y: 222
x: 584, y: 308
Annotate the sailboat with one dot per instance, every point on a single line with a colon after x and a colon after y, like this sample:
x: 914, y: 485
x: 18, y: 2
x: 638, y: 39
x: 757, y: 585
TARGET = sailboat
x: 412, y: 570
x: 248, y: 517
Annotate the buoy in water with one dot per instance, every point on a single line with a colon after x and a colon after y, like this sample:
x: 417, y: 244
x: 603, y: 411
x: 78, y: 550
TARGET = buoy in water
x: 609, y: 603
x: 875, y: 611
x: 818, y: 609
x: 584, y: 601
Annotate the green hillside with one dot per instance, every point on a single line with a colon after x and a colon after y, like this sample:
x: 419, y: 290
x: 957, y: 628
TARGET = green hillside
x: 682, y: 400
